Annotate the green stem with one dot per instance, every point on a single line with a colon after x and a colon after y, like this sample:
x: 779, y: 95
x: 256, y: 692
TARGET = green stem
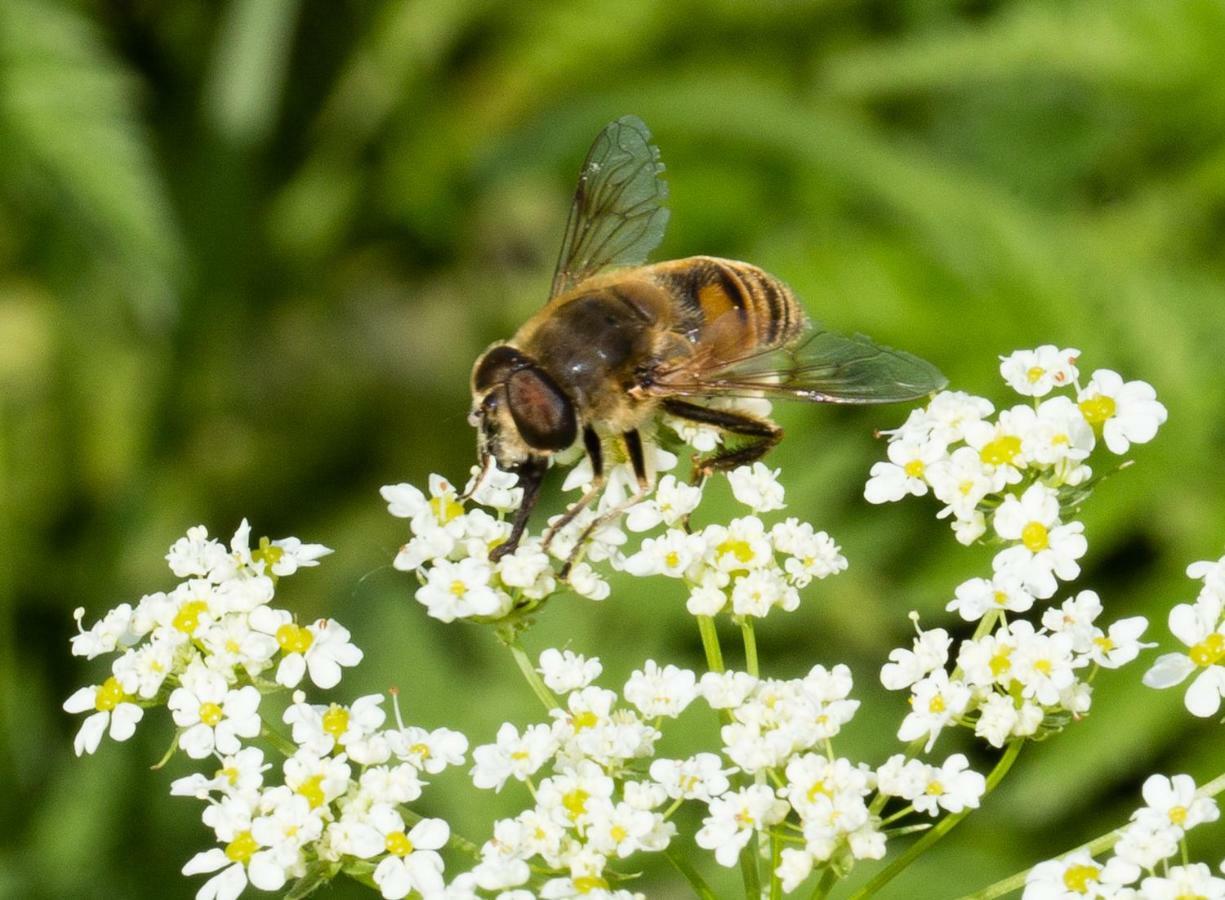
x: 943, y: 827
x: 776, y: 857
x: 710, y: 643
x: 1098, y: 845
x: 748, y: 870
x: 510, y: 639
x: 696, y: 881
x: 283, y: 744
x: 750, y: 646
x: 826, y: 884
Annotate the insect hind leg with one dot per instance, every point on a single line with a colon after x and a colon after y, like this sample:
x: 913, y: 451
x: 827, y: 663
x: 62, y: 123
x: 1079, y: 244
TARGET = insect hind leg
x: 762, y: 434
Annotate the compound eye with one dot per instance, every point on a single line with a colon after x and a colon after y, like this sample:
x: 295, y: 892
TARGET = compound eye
x: 496, y: 366
x: 542, y: 412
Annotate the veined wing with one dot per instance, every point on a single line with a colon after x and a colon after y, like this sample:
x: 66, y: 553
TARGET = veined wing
x: 820, y: 367
x: 618, y: 216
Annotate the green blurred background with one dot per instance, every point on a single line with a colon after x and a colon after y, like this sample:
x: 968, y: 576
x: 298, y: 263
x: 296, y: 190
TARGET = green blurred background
x: 249, y: 249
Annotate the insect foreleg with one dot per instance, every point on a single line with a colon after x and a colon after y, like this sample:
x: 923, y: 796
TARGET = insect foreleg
x: 531, y: 473
x: 591, y: 442
x: 762, y: 433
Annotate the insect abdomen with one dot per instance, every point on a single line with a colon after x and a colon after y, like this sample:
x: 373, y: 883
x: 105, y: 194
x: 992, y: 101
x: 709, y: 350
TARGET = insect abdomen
x: 765, y: 312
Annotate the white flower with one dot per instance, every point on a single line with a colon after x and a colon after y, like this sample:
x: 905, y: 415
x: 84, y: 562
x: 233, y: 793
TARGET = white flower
x: 498, y: 490
x: 670, y: 554
x: 1172, y: 802
x: 1047, y: 549
x: 461, y: 589
x: 585, y: 582
x: 733, y: 819
x: 1001, y: 444
x: 513, y: 755
x: 286, y: 555
x: 935, y: 702
x: 1076, y: 876
x: 1198, y: 626
x: 726, y: 690
x: 661, y: 692
x: 905, y: 472
x: 214, y: 716
x: 412, y: 862
x: 1195, y: 881
x: 950, y: 416
x: 671, y: 502
x: 1126, y: 413
x: 565, y: 671
x: 960, y: 481
x: 1120, y: 644
x: 1034, y: 373
x: 953, y: 787
x: 106, y: 635
x: 700, y: 777
x: 241, y: 859
x: 756, y: 593
x: 812, y: 554
x: 240, y: 773
x: 429, y: 751
x: 320, y: 648
x: 973, y: 599
x: 905, y: 667
x: 109, y: 702
x: 757, y: 487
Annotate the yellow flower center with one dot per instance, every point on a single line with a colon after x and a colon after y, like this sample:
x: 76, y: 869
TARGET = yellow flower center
x: 1077, y: 878
x: 575, y: 802
x: 1097, y: 410
x: 672, y: 559
x: 1035, y: 537
x: 241, y: 848
x: 446, y: 508
x: 230, y: 773
x: 965, y: 487
x: 187, y: 619
x: 312, y: 790
x: 211, y: 714
x: 1205, y: 653
x: 818, y: 789
x: 914, y: 468
x: 109, y: 695
x: 268, y: 554
x: 739, y: 549
x: 398, y: 844
x: 1043, y: 666
x: 1000, y: 663
x: 1178, y: 815
x: 336, y: 720
x: 1001, y: 451
x: 585, y: 720
x: 936, y: 705
x: 421, y: 751
x: 618, y: 834
x: 1034, y: 375
x: 1000, y: 598
x: 458, y: 588
x: 935, y: 789
x: 585, y: 884
x: 1104, y: 643
x: 294, y: 638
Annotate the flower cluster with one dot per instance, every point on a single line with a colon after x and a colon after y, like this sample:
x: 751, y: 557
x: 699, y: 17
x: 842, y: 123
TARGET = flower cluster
x: 743, y: 567
x: 204, y: 650
x: 1016, y: 681
x: 1201, y: 626
x: 1139, y: 867
x: 203, y: 646
x: 1023, y: 474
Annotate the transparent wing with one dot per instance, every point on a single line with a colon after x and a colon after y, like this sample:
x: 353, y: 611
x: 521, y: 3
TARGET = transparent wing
x: 618, y: 216
x: 820, y: 367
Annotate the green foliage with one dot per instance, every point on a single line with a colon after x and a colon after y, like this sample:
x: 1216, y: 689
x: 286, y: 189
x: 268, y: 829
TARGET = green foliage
x: 249, y: 250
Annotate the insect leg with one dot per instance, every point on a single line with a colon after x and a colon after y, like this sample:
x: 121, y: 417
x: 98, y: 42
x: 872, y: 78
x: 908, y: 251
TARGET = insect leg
x: 531, y: 473
x: 765, y: 435
x: 633, y: 449
x: 591, y: 442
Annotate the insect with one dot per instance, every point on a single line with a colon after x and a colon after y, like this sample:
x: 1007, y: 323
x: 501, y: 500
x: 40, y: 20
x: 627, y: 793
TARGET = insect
x: 619, y: 341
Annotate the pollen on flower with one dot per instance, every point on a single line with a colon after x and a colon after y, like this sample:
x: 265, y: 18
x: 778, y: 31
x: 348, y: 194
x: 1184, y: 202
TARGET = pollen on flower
x: 446, y: 508
x: 268, y: 553
x: 739, y: 549
x: 1035, y: 373
x: 398, y: 844
x: 1207, y: 652
x: 914, y: 468
x: 1001, y: 451
x: 575, y: 802
x: 187, y: 619
x: 935, y: 788
x: 294, y: 638
x: 1097, y: 410
x: 1001, y: 663
x: 242, y: 847
x: 312, y: 790
x: 586, y: 719
x: 336, y: 720
x: 1035, y: 537
x: 1077, y: 878
x: 110, y: 695
x: 936, y: 705
x: 211, y: 714
x: 1178, y: 814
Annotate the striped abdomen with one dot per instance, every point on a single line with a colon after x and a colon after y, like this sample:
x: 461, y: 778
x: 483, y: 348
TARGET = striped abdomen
x: 731, y: 307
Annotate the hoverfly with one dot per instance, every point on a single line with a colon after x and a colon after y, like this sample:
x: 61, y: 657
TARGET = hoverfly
x: 619, y: 341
